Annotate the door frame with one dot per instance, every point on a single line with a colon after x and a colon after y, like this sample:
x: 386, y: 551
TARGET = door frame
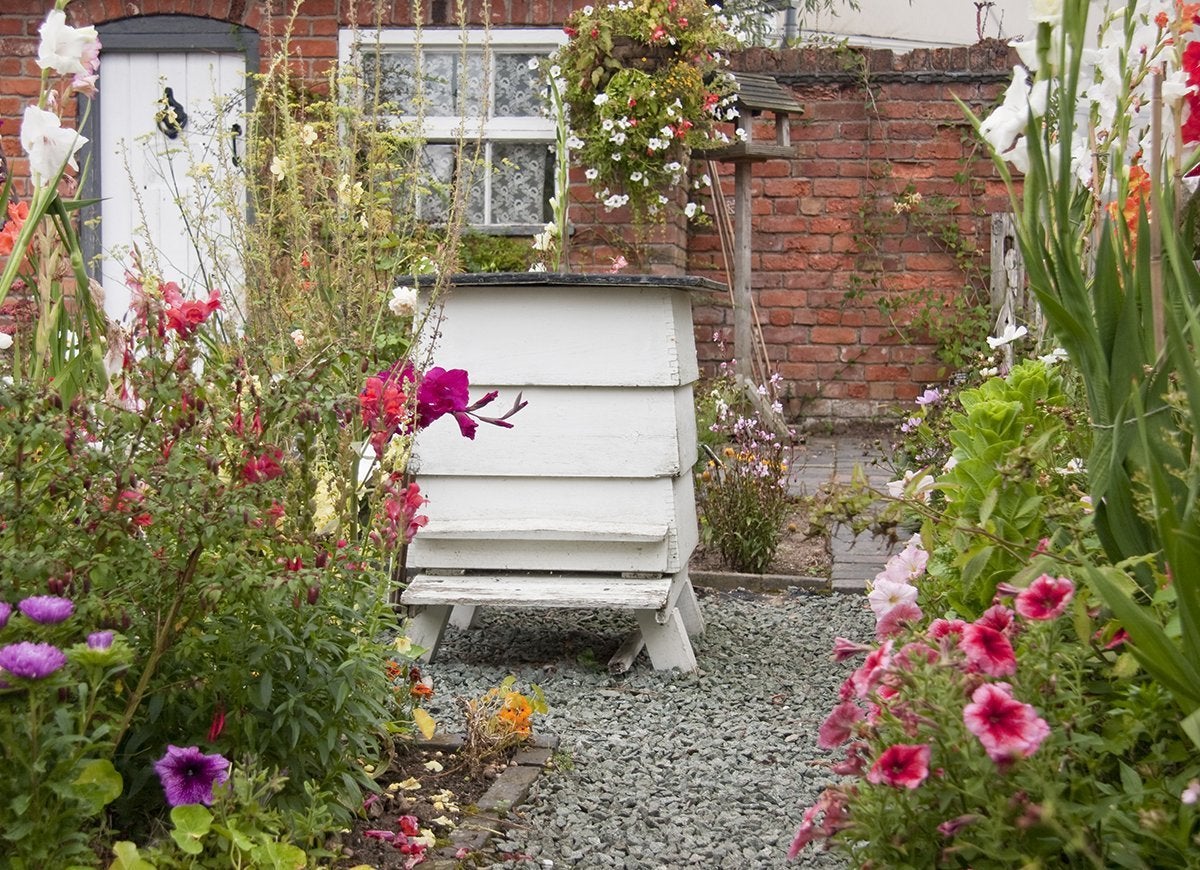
x: 149, y: 34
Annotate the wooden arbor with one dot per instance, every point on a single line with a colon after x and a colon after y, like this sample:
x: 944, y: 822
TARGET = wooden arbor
x: 756, y: 94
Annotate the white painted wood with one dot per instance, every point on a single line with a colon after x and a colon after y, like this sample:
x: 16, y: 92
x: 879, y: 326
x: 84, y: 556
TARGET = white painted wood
x: 667, y: 644
x: 521, y: 504
x: 464, y: 617
x: 143, y: 173
x: 689, y: 610
x: 600, y: 336
x: 569, y: 432
x: 507, y: 554
x: 539, y: 590
x: 425, y: 629
x: 622, y: 660
x: 545, y: 530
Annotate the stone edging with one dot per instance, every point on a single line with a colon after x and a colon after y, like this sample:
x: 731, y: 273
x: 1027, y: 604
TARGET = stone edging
x: 510, y: 789
x: 727, y: 581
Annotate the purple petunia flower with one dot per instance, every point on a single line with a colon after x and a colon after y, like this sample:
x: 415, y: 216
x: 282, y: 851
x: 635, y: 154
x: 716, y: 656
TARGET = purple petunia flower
x: 100, y: 640
x: 32, y: 661
x: 47, y: 609
x: 5, y: 613
x: 188, y: 775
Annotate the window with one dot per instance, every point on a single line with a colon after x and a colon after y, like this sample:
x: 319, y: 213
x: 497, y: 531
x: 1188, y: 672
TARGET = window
x: 460, y: 88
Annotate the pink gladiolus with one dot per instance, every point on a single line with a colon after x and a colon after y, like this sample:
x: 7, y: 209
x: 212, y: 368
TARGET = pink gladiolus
x: 893, y: 622
x: 1007, y: 728
x: 988, y: 651
x: 836, y: 728
x: 1046, y: 598
x: 901, y: 765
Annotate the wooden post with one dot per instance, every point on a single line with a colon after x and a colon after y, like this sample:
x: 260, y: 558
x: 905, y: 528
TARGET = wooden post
x: 743, y: 330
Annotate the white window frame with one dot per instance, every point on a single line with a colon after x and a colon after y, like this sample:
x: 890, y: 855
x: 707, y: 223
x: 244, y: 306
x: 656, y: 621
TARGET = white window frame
x: 444, y: 129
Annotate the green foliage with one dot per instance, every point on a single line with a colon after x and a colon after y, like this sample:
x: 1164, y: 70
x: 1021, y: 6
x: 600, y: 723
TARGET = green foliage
x: 1122, y: 299
x: 1010, y: 484
x: 488, y: 253
x: 1101, y: 790
x: 741, y: 490
x: 240, y: 830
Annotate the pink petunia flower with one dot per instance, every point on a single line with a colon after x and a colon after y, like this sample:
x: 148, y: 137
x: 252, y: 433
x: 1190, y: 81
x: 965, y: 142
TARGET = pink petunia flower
x: 886, y: 594
x: 908, y: 564
x: 998, y: 617
x: 988, y: 651
x: 902, y: 765
x: 836, y: 728
x: 871, y: 671
x: 894, y: 621
x: 855, y: 761
x: 842, y: 649
x: 1007, y: 728
x: 1045, y: 598
x: 940, y: 628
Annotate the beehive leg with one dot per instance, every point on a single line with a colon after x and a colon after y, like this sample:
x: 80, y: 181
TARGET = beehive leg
x: 426, y: 626
x: 689, y: 609
x: 464, y: 616
x: 667, y: 643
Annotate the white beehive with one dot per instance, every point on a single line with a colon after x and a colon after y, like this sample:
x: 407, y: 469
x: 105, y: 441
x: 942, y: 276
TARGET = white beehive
x: 588, y: 500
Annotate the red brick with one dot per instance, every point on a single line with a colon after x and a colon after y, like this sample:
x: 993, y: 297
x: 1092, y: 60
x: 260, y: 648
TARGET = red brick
x: 834, y: 335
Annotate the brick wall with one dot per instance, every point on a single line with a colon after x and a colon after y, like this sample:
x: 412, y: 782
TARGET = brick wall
x: 827, y: 245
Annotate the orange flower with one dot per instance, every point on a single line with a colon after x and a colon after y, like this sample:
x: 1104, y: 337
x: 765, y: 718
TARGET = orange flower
x: 421, y: 690
x: 516, y: 713
x: 18, y: 213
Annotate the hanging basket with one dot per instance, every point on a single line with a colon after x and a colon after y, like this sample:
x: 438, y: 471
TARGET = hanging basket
x: 631, y: 54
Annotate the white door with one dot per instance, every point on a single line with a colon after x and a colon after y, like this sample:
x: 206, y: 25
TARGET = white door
x: 170, y: 195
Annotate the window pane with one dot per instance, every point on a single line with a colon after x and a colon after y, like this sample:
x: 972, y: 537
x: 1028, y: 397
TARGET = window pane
x: 518, y: 183
x: 440, y: 80
x: 397, y: 84
x: 434, y: 204
x: 517, y: 86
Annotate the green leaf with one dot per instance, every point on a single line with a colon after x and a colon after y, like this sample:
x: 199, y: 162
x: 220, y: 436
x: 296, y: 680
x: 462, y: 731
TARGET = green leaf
x: 264, y: 690
x: 279, y: 856
x: 98, y: 784
x: 192, y: 823
x: 127, y: 857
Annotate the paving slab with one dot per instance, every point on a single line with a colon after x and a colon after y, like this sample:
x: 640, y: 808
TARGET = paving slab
x: 825, y: 459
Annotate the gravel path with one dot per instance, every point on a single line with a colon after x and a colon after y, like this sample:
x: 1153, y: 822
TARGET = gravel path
x: 711, y: 769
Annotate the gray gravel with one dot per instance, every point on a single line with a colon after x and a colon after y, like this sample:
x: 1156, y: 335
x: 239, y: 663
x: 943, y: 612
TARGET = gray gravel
x: 711, y: 769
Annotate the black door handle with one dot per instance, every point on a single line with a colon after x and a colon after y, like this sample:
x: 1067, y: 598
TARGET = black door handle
x: 235, y: 133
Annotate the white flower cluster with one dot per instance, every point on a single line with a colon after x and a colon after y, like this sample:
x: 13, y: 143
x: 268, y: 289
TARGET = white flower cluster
x: 1112, y: 118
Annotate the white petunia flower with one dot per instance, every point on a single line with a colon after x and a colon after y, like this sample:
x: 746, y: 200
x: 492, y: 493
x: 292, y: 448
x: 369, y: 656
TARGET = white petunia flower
x: 6, y: 341
x: 599, y: 99
x: 591, y: 174
x: 886, y: 594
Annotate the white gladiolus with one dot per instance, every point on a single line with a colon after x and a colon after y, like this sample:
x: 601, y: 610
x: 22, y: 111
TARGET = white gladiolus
x: 48, y: 144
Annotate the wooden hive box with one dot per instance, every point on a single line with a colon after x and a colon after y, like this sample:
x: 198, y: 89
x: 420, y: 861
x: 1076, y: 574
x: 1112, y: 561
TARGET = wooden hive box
x: 588, y: 500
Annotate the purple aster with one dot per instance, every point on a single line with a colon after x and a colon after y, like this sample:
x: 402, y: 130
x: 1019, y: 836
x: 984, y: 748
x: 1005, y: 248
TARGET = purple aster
x: 47, y: 609
x: 5, y: 613
x: 32, y: 661
x: 188, y: 775
x: 100, y: 640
